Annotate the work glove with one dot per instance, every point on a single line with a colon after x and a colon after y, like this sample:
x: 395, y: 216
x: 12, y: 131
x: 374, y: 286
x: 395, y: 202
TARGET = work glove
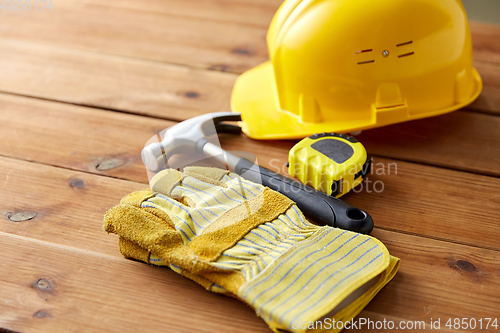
x: 239, y: 238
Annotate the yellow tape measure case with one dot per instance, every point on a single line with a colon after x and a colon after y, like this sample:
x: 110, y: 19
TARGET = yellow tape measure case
x: 330, y: 162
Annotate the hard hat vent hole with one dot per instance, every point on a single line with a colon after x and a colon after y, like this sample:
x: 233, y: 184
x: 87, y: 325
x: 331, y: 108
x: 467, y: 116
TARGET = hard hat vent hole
x: 363, y: 51
x: 405, y: 43
x: 356, y: 214
x: 406, y: 54
x: 366, y: 62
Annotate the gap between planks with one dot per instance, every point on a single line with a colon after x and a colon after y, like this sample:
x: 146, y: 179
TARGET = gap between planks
x: 448, y: 141
x: 436, y: 272
x: 151, y: 92
x: 102, y: 136
x: 61, y: 188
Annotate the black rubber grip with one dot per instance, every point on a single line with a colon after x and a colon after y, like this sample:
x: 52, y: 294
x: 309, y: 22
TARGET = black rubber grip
x: 322, y: 208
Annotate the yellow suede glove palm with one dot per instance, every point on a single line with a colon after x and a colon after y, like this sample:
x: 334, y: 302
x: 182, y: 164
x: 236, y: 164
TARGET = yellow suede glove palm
x: 233, y: 236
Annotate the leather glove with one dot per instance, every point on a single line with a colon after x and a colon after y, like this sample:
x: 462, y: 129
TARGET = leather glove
x: 236, y: 237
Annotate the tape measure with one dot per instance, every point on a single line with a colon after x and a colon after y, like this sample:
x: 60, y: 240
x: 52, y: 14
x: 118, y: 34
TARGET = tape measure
x: 330, y: 162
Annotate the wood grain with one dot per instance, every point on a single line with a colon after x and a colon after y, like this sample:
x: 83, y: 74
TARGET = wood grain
x: 408, y: 197
x: 197, y: 33
x: 485, y: 37
x: 69, y: 205
x: 89, y: 291
x: 84, y: 291
x: 162, y: 61
x: 80, y: 139
x: 110, y: 82
x: 73, y: 203
x: 150, y: 35
x: 76, y: 138
x: 459, y: 140
x: 143, y: 87
x: 449, y: 141
x: 438, y: 280
x: 256, y: 13
x: 489, y: 100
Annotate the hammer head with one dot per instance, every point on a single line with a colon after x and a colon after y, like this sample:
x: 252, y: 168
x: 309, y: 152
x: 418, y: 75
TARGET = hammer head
x: 185, y: 136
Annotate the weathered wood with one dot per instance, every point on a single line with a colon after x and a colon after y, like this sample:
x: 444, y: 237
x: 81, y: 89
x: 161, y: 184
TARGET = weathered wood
x: 400, y: 196
x: 410, y: 197
x: 204, y: 34
x: 61, y: 272
x: 136, y: 86
x: 489, y: 100
x: 51, y: 288
x: 438, y: 280
x: 460, y: 140
x: 257, y: 13
x: 131, y: 85
x: 143, y: 34
x: 62, y: 289
x: 78, y: 138
x: 485, y: 37
x: 69, y: 205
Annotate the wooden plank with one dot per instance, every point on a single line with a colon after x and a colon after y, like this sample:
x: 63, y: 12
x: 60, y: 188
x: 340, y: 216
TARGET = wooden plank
x: 142, y: 87
x: 438, y: 203
x: 439, y: 197
x: 144, y: 34
x: 489, y: 100
x: 410, y: 197
x: 86, y: 291
x: 208, y: 34
x: 80, y: 139
x: 459, y: 140
x: 86, y: 137
x: 69, y: 205
x: 485, y: 37
x: 436, y: 280
x: 257, y: 13
x: 160, y: 90
x: 76, y: 138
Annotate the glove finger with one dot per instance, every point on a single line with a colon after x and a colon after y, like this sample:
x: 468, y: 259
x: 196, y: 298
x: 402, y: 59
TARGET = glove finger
x: 236, y: 186
x: 207, y: 195
x: 131, y: 250
x: 245, y: 187
x: 190, y: 222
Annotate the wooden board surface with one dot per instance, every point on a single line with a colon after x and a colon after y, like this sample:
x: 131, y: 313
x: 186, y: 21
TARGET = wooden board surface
x: 128, y: 296
x: 144, y: 87
x: 203, y: 34
x: 400, y: 184
x: 80, y: 97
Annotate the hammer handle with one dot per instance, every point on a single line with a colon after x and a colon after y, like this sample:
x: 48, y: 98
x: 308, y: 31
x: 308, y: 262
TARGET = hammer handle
x: 322, y: 208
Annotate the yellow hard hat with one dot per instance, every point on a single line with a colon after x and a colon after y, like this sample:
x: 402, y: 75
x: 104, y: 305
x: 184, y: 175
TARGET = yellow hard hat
x: 344, y: 65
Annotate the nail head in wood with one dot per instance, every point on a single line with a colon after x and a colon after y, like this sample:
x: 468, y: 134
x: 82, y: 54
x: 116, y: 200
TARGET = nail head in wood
x: 110, y: 164
x: 43, y: 284
x: 22, y: 216
x: 41, y: 314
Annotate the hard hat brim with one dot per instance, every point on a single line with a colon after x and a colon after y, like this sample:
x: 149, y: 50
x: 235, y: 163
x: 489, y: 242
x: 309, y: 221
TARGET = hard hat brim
x: 255, y: 97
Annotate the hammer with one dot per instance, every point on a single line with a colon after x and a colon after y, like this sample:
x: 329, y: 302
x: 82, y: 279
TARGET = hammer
x: 192, y: 133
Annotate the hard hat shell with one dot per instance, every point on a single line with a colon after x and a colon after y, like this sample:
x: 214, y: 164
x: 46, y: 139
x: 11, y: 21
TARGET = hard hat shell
x: 349, y: 65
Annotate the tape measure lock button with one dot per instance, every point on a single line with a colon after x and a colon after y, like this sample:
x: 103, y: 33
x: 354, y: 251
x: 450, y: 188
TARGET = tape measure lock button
x: 330, y: 162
